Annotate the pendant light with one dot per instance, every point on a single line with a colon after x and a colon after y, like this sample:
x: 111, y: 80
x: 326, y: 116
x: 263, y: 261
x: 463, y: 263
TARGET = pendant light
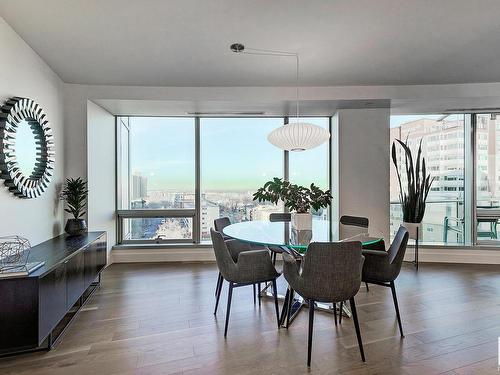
x: 295, y: 136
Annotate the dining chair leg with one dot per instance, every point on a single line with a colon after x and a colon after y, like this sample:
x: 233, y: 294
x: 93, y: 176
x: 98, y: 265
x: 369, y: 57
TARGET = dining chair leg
x: 341, y: 311
x: 219, y: 290
x: 356, y: 326
x: 229, y: 296
x: 289, y: 310
x: 393, y: 289
x: 335, y: 313
x: 254, y: 295
x: 367, y: 289
x: 275, y: 293
x: 258, y: 291
x: 309, y: 340
x: 219, y: 277
x: 285, y: 307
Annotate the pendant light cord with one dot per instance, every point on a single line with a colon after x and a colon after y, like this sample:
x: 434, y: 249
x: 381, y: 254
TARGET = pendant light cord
x: 268, y: 52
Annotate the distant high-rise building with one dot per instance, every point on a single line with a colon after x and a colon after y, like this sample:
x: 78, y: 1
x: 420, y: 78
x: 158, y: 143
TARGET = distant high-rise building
x: 139, y: 187
x: 209, y: 212
x: 443, y: 146
x: 443, y: 149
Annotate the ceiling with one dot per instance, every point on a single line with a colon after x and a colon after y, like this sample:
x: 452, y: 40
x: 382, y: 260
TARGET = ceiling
x: 186, y: 42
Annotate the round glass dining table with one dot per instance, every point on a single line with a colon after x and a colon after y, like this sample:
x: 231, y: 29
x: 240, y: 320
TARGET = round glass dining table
x: 281, y: 234
x: 267, y: 233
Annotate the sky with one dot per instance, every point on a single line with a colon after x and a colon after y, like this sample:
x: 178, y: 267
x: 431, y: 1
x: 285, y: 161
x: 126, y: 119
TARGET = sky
x: 235, y: 154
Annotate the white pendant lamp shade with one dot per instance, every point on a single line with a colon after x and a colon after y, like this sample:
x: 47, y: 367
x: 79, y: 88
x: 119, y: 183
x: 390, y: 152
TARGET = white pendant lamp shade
x: 298, y: 136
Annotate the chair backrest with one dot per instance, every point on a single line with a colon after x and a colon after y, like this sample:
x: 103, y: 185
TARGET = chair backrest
x: 351, y: 226
x: 355, y: 221
x: 280, y: 216
x: 332, y: 270
x: 225, y: 262
x: 221, y: 223
x: 398, y: 247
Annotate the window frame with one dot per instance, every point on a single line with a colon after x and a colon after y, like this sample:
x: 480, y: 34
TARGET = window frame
x: 195, y: 214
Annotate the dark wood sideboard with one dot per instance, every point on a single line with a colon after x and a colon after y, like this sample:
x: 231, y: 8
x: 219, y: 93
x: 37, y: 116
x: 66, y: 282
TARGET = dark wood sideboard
x: 35, y: 309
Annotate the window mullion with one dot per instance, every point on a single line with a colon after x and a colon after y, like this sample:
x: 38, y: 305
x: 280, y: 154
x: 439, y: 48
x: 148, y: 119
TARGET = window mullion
x: 197, y: 189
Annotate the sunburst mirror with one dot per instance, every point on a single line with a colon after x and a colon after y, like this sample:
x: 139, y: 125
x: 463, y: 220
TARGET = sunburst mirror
x: 27, y: 154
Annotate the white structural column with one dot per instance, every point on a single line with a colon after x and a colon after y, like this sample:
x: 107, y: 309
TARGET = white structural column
x: 360, y: 165
x: 101, y: 174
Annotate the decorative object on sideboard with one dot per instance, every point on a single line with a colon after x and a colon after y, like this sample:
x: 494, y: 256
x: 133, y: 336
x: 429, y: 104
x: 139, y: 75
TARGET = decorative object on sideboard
x: 26, y: 167
x: 414, y: 196
x: 14, y: 250
x: 14, y: 255
x: 298, y: 199
x: 75, y: 194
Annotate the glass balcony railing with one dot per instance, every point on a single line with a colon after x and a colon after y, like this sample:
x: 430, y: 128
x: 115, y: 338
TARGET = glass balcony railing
x: 443, y: 221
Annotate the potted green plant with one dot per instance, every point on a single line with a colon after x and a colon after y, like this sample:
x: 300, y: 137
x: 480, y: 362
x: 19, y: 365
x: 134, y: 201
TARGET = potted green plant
x: 298, y: 199
x: 75, y: 194
x: 418, y: 184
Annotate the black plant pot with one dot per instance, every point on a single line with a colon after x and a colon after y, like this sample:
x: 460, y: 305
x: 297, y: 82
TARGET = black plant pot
x: 76, y: 227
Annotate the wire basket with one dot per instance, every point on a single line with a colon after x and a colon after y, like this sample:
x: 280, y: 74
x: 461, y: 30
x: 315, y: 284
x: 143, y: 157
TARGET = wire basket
x: 14, y: 252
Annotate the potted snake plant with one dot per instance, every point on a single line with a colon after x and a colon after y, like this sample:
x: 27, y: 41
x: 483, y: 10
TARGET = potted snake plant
x: 418, y: 183
x: 75, y: 194
x: 298, y: 199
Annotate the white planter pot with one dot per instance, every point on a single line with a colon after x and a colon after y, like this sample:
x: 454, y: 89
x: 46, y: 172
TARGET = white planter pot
x: 413, y: 229
x: 302, y: 221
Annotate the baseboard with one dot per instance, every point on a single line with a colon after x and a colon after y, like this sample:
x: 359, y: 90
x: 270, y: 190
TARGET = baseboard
x: 145, y: 255
x: 206, y: 254
x: 454, y: 255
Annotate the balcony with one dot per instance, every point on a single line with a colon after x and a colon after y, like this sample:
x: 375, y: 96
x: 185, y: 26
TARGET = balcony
x: 444, y: 221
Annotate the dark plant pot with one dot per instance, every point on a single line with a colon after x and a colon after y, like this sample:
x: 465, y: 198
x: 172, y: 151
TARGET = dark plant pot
x: 76, y: 227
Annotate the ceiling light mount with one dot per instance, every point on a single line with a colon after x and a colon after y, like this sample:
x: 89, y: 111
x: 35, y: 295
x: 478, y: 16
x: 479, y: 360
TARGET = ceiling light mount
x: 237, y: 47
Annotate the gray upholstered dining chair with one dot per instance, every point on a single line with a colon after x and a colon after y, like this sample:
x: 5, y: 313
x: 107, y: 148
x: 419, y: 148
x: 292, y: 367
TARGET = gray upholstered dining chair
x: 235, y: 247
x: 253, y: 267
x: 220, y: 224
x: 280, y: 216
x: 285, y: 217
x: 331, y: 272
x: 351, y: 226
x: 383, y: 267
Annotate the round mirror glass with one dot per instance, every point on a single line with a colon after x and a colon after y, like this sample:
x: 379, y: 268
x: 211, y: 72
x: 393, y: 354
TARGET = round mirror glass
x: 25, y: 147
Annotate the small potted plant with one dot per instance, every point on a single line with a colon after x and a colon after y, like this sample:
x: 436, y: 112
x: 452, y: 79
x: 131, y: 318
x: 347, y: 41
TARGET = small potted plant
x: 75, y: 194
x: 418, y: 185
x: 298, y: 199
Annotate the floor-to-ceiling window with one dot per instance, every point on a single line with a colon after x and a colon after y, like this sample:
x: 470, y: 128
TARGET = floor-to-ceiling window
x: 487, y: 165
x: 312, y: 166
x: 236, y: 159
x: 161, y: 177
x: 178, y: 174
x: 443, y: 148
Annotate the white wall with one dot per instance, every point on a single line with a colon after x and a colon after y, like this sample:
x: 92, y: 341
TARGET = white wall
x: 360, y: 145
x: 101, y: 172
x: 23, y: 73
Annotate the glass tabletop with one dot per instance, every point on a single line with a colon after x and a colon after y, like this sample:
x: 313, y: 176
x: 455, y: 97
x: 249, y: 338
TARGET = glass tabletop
x: 268, y: 233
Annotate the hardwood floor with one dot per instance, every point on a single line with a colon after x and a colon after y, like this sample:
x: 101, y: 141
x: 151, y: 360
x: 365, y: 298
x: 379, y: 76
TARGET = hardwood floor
x: 157, y: 319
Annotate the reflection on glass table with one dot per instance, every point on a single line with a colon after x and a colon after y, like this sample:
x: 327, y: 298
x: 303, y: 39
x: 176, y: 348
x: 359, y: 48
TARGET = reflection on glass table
x: 266, y: 233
